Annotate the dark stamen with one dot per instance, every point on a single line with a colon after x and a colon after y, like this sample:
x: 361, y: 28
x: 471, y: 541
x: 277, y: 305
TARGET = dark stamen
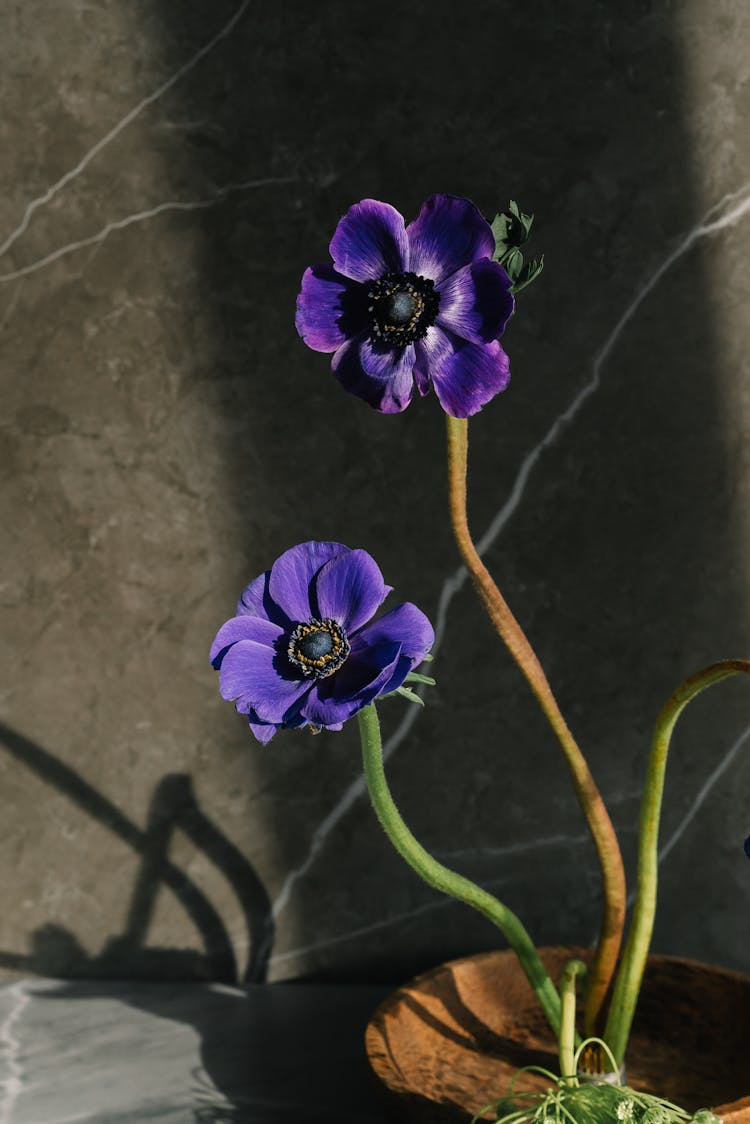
x: 317, y: 648
x: 315, y: 644
x: 402, y: 306
x: 398, y: 309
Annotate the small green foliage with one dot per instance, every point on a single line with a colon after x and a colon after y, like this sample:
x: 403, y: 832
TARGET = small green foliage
x: 412, y: 678
x: 531, y: 272
x: 407, y: 693
x: 589, y: 1104
x: 655, y: 1115
x: 511, y: 229
x: 416, y: 677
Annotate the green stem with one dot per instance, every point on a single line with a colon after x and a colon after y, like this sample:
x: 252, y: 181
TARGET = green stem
x: 589, y: 798
x: 568, y: 1019
x: 630, y: 975
x: 445, y: 880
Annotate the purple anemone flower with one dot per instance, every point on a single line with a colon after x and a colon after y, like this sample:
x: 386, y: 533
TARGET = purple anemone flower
x: 301, y: 651
x: 405, y: 305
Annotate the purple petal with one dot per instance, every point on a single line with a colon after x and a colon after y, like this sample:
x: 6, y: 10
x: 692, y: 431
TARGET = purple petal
x: 370, y: 240
x: 325, y: 705
x: 422, y: 374
x: 402, y: 669
x: 465, y: 375
x: 387, y: 363
x: 447, y: 234
x: 264, y: 731
x: 255, y: 598
x: 249, y: 675
x: 476, y: 302
x: 350, y: 589
x: 362, y: 676
x: 433, y: 350
x: 292, y: 573
x: 405, y: 625
x: 245, y: 627
x: 327, y: 308
x: 326, y: 712
x: 382, y: 378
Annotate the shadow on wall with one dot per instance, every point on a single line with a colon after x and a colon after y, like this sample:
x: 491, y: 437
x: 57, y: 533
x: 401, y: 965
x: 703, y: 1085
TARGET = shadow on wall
x: 55, y: 951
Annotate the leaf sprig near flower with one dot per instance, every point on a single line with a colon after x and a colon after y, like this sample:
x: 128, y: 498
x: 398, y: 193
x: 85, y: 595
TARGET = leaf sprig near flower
x: 511, y: 229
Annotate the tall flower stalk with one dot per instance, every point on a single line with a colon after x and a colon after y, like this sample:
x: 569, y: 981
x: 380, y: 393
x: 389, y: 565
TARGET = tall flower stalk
x: 597, y: 817
x: 630, y: 975
x: 448, y: 881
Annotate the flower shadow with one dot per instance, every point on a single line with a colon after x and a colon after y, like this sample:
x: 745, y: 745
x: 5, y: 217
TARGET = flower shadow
x: 56, y: 952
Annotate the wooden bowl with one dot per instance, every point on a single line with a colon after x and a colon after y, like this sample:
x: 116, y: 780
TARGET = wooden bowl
x: 448, y: 1042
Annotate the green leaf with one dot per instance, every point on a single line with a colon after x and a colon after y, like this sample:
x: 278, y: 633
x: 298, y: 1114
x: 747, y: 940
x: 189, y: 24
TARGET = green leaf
x: 511, y: 230
x: 512, y: 263
x: 415, y: 677
x: 407, y: 694
x: 500, y: 232
x: 531, y: 272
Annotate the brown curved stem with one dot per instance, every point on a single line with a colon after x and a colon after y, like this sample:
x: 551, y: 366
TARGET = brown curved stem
x: 597, y: 817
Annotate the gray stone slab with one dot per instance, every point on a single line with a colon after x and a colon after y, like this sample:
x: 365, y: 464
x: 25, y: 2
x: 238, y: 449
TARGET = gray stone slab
x: 111, y: 1053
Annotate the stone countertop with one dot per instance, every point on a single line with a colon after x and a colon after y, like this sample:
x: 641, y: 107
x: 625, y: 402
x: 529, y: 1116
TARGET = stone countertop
x: 106, y: 1051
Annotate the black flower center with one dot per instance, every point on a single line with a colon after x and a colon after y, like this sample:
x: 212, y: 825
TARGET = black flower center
x: 398, y: 309
x: 315, y: 644
x: 317, y: 648
x: 401, y: 306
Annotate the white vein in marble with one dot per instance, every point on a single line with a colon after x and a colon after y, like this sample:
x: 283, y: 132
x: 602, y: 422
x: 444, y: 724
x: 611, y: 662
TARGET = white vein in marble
x: 437, y: 901
x: 464, y: 854
x: 703, y: 793
x: 73, y: 173
x: 142, y: 216
x: 16, y: 999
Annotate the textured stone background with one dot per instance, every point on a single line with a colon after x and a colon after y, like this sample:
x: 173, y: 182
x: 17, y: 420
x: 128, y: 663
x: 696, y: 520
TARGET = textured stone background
x: 169, y: 169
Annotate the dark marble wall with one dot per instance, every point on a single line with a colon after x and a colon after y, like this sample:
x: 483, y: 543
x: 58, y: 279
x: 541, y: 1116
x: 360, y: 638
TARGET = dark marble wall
x: 169, y: 170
